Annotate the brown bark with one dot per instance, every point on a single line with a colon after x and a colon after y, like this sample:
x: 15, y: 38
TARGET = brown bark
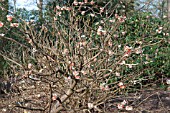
x: 168, y: 10
x: 58, y: 106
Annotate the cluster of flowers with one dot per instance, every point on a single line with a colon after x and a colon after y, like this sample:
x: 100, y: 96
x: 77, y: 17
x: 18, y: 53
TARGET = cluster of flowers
x: 120, y: 18
x: 121, y: 85
x: 100, y: 31
x: 123, y: 105
x: 64, y: 8
x: 104, y: 87
x: 58, y: 9
x: 128, y: 50
x: 9, y: 18
x: 81, y: 3
x: 159, y: 30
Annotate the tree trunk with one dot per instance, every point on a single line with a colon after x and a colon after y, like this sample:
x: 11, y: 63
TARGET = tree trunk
x: 40, y: 6
x: 168, y: 10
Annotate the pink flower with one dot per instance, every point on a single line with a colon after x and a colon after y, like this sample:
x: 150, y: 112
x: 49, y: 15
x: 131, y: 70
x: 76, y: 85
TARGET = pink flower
x: 127, y: 50
x: 117, y: 74
x: 63, y: 8
x: 130, y: 66
x: 83, y: 12
x: 112, y: 20
x: 122, y: 63
x: 129, y: 108
x: 83, y: 43
x: 81, y: 3
x: 32, y: 20
x: 14, y: 24
x: 58, y: 7
x: 29, y: 66
x: 127, y: 53
x: 116, y: 16
x: 1, y: 24
x: 110, y: 52
x: 116, y: 35
x: 104, y: 87
x: 160, y: 28
x: 92, y: 2
x: 164, y: 16
x: 121, y: 85
x: 168, y: 81
x: 85, y: 1
x: 100, y: 31
x: 122, y: 18
x: 147, y: 16
x: 38, y: 95
x: 2, y: 34
x: 138, y: 50
x: 58, y: 13
x: 158, y: 31
x: 55, y: 18
x: 166, y: 34
x: 120, y: 106
x: 83, y: 72
x: 76, y: 74
x: 4, y: 110
x: 110, y: 43
x: 91, y: 14
x: 68, y: 8
x: 124, y: 102
x: 65, y: 52
x: 75, y: 3
x: 90, y: 105
x: 123, y: 33
x: 54, y: 97
x: 9, y: 18
x: 101, y: 10
x: 77, y: 77
x: 119, y: 46
x: 68, y: 80
x: 71, y: 65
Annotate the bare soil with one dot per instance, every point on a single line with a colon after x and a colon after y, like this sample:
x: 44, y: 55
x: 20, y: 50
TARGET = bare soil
x: 146, y: 101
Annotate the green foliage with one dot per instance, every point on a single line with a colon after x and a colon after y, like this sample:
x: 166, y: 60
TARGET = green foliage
x: 143, y: 27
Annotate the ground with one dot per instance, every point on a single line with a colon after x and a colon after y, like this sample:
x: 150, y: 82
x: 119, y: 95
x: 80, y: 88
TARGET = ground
x: 145, y: 101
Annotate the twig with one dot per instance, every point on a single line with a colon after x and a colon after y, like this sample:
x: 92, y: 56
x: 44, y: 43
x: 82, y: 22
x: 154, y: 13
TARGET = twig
x: 32, y: 109
x: 11, y: 60
x: 50, y: 98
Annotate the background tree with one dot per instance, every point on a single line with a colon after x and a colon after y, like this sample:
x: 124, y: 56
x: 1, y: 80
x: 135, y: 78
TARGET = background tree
x: 58, y: 65
x: 40, y: 6
x: 168, y: 9
x: 3, y: 42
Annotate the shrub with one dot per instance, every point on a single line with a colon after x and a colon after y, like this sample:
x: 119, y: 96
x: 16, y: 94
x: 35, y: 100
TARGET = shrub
x: 67, y: 67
